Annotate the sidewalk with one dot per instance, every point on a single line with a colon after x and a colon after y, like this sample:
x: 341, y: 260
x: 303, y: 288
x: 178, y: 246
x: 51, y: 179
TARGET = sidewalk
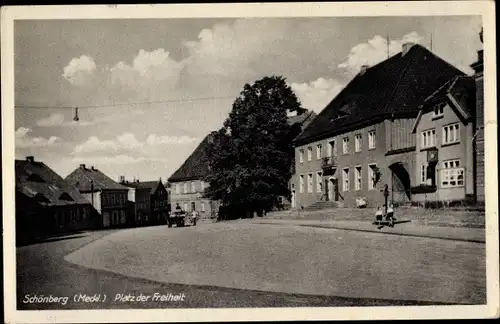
x: 474, y: 235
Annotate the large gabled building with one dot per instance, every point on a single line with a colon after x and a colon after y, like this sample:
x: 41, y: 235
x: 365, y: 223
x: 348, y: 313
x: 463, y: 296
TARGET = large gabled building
x: 188, y: 183
x: 107, y: 197
x: 362, y: 141
x: 46, y: 204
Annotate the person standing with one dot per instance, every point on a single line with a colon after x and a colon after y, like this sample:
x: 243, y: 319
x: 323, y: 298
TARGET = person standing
x: 194, y: 216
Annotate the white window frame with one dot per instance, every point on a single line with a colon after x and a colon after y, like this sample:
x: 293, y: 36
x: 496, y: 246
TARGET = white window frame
x: 345, y: 145
x: 202, y: 186
x: 449, y: 130
x: 319, y: 151
x: 310, y: 183
x: 332, y: 150
x: 301, y: 155
x: 309, y: 153
x: 372, y: 140
x: 428, y: 138
x: 357, y: 142
x: 371, y: 176
x: 178, y: 188
x: 186, y: 188
x: 358, y: 177
x: 319, y: 182
x: 203, y: 207
x: 301, y: 183
x: 185, y: 205
x: 346, y: 186
x: 193, y: 186
x: 439, y: 109
x: 451, y: 171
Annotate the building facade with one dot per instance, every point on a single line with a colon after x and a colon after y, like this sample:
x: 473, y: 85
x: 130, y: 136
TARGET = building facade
x: 362, y: 142
x: 187, y: 184
x: 445, y: 166
x: 106, y: 196
x: 151, y: 201
x: 46, y: 204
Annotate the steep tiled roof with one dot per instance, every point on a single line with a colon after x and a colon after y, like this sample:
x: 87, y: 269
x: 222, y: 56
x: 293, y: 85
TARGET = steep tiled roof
x: 394, y: 87
x: 195, y: 166
x: 304, y: 118
x: 82, y: 176
x: 36, y: 180
x: 150, y: 185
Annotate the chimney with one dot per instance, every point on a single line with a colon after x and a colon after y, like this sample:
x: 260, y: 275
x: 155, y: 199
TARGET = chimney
x: 82, y: 166
x: 93, y: 169
x: 30, y: 159
x: 122, y: 179
x: 363, y: 69
x: 406, y: 48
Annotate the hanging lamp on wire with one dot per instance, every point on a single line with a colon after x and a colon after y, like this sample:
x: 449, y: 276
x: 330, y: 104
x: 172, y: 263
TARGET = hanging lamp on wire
x: 76, y: 115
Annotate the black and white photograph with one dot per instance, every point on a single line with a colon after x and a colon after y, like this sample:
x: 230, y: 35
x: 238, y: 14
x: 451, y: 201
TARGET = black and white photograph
x: 247, y: 162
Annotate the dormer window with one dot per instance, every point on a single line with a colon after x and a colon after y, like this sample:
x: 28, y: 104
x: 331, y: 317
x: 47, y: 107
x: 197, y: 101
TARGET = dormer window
x: 439, y: 109
x: 65, y: 196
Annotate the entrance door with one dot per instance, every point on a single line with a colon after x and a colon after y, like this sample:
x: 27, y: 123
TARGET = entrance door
x: 400, y: 181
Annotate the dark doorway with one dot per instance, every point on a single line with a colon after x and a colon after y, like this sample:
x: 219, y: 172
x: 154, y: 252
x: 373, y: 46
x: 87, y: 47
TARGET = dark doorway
x: 400, y: 184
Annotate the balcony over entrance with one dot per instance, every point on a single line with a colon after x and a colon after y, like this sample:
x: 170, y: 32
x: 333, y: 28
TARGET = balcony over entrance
x: 329, y: 164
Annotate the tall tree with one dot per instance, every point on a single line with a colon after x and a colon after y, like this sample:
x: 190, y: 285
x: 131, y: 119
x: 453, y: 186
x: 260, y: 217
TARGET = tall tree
x: 250, y: 156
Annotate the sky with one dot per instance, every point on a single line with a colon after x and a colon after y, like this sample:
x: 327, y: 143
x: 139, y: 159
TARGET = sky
x: 151, y: 90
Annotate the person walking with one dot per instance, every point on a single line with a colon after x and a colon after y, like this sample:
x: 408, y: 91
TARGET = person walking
x: 194, y: 216
x: 390, y: 215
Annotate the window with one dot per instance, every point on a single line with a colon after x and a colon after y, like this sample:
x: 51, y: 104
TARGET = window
x: 371, y: 176
x: 193, y: 186
x: 345, y: 145
x: 202, y: 186
x: 186, y: 187
x: 309, y: 153
x: 310, y: 183
x: 301, y: 155
x: 332, y: 149
x: 301, y: 180
x: 357, y: 177
x: 185, y: 206
x: 319, y: 148
x: 193, y: 206
x: 203, y: 207
x: 429, y: 138
x: 124, y: 219
x: 423, y: 174
x: 451, y: 134
x: 178, y: 188
x: 371, y: 140
x: 345, y: 179
x: 113, y: 199
x: 439, y: 109
x: 451, y: 174
x: 357, y: 143
x: 319, y: 181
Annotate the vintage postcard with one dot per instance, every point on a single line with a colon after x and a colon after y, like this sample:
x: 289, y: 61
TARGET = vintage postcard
x: 250, y: 162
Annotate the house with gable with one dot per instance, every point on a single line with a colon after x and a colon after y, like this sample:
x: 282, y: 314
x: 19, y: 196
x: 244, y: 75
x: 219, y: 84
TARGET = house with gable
x: 362, y: 141
x: 46, y: 204
x: 444, y: 159
x: 107, y: 197
x: 188, y: 183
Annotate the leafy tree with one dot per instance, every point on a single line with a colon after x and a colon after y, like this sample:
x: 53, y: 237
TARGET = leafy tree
x: 251, y: 155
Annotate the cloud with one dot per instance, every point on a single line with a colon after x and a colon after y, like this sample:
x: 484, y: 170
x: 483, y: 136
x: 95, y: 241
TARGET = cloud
x: 154, y: 139
x: 128, y: 142
x: 23, y: 140
x: 375, y: 51
x: 317, y: 94
x: 79, y: 69
x: 106, y: 160
x: 57, y: 119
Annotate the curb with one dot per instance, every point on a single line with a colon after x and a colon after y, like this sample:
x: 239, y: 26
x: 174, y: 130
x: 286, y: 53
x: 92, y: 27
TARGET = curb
x: 380, y: 232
